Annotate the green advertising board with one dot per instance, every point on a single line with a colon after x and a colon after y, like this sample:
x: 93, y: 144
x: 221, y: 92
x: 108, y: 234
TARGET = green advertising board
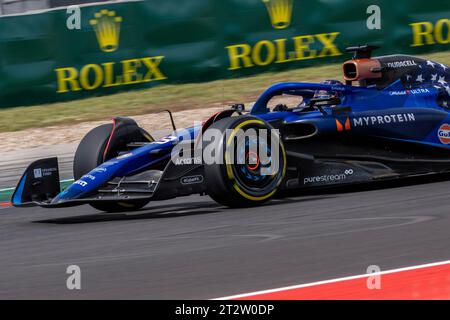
x: 139, y: 44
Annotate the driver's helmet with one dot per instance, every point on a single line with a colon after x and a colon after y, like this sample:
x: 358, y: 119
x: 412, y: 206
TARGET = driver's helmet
x: 324, y: 94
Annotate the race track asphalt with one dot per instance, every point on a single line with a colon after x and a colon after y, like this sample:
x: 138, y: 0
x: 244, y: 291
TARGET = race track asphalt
x: 191, y: 248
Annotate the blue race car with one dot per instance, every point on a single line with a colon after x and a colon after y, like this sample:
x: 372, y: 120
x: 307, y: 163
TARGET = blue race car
x: 390, y: 120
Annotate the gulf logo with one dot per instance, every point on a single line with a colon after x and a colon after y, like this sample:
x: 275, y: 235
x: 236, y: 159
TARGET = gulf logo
x: 444, y: 133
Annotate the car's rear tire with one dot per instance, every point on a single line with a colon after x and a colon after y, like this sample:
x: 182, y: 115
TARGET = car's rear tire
x: 91, y: 153
x: 243, y: 185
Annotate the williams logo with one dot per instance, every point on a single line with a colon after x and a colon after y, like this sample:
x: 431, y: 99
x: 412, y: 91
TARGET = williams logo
x: 280, y: 12
x: 38, y: 173
x: 444, y: 133
x: 91, y: 76
x: 107, y: 29
x: 340, y: 126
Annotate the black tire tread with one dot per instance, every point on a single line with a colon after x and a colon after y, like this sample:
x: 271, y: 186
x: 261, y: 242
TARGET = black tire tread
x: 89, y: 155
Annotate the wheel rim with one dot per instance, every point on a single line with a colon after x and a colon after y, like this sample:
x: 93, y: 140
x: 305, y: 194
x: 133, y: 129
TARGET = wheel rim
x: 250, y: 166
x: 248, y: 169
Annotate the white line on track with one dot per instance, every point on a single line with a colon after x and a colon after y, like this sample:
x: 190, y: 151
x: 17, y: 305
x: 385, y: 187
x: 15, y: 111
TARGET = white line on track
x: 243, y: 295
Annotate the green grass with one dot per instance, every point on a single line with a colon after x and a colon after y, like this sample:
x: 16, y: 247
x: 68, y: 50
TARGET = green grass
x: 174, y: 97
x: 6, y: 193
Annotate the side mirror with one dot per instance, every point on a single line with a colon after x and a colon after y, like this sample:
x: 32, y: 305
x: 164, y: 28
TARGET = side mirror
x: 320, y: 102
x: 239, y: 107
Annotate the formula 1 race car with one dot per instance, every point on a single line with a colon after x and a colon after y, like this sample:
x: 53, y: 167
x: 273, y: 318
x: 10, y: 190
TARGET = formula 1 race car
x: 390, y: 120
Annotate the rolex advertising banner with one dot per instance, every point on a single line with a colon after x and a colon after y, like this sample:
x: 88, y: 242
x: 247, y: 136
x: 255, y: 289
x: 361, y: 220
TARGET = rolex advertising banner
x: 98, y: 49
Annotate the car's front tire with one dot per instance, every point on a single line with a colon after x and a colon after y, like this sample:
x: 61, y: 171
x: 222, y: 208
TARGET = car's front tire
x: 235, y: 181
